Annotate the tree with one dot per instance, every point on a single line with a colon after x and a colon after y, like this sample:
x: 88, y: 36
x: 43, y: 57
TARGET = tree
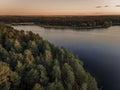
x: 29, y: 58
x: 43, y: 75
x: 33, y: 47
x: 80, y: 74
x: 91, y: 83
x: 31, y: 78
x: 69, y: 78
x: 17, y: 46
x: 56, y: 72
x: 107, y: 23
x: 37, y: 86
x: 14, y: 80
x: 19, y: 66
x: 55, y: 86
x: 3, y: 53
x: 48, y: 60
x: 8, y: 78
x: 84, y: 86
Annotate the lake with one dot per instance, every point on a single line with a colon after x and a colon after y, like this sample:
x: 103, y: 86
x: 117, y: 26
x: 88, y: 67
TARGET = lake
x: 99, y: 49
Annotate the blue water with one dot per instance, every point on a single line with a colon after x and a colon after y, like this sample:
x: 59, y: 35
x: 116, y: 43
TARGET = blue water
x: 99, y: 49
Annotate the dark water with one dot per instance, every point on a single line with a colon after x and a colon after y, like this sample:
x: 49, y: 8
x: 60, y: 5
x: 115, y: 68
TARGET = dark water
x: 99, y: 49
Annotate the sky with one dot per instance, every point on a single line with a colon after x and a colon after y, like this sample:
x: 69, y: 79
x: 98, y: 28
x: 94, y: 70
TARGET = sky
x: 59, y: 7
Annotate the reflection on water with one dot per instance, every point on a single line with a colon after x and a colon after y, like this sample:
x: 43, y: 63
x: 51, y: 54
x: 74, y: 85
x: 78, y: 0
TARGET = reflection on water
x: 99, y: 49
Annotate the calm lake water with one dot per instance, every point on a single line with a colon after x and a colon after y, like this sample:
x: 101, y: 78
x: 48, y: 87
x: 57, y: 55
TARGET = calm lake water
x: 99, y: 49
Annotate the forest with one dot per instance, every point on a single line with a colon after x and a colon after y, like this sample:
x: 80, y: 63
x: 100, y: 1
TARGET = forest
x: 77, y: 22
x: 28, y: 62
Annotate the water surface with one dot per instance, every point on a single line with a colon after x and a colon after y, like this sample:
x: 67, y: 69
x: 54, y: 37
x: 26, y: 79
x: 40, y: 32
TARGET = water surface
x: 99, y: 49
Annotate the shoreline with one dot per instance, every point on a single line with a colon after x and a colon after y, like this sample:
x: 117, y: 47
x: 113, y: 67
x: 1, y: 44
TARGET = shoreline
x: 70, y: 27
x: 61, y: 27
x: 58, y: 27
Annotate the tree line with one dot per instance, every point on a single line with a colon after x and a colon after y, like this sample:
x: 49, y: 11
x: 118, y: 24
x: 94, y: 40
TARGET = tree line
x: 66, y: 21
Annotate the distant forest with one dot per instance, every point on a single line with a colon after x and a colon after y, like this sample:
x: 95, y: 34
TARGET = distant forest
x: 28, y: 62
x: 78, y: 22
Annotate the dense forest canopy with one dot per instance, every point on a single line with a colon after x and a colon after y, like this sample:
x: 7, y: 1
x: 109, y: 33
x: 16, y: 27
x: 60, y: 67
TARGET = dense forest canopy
x: 27, y: 62
x: 65, y: 21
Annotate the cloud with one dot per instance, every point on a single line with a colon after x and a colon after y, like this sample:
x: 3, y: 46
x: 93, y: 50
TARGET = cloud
x: 102, y: 6
x: 117, y: 5
x: 98, y: 6
x: 106, y: 6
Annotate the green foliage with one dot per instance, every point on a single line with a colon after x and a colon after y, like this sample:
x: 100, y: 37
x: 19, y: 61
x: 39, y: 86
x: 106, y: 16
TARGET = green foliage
x: 27, y: 62
x: 68, y: 76
x: 38, y: 87
x: 56, y: 72
x: 84, y: 86
x: 7, y: 76
x: 55, y: 86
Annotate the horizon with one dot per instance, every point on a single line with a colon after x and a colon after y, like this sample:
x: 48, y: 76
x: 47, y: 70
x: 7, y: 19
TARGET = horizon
x: 56, y: 7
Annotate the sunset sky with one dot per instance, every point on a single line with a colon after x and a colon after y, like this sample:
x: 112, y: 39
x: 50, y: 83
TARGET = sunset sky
x: 59, y: 7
